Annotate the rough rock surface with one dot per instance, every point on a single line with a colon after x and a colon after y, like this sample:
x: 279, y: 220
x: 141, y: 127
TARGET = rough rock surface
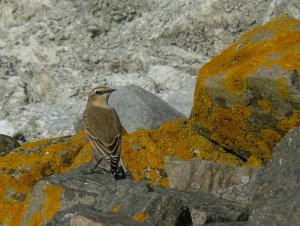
x: 247, y: 98
x: 205, y: 176
x: 22, y: 168
x: 7, y: 144
x: 182, y: 100
x: 276, y: 199
x: 244, y: 132
x: 131, y: 199
x: 54, y: 52
x: 139, y: 109
x: 80, y: 215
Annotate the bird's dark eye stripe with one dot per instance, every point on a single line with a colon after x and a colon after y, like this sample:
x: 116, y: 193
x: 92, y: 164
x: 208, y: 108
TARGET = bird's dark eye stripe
x: 98, y: 92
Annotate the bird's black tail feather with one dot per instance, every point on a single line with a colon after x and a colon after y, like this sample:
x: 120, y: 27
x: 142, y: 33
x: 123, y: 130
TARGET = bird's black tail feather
x: 121, y: 172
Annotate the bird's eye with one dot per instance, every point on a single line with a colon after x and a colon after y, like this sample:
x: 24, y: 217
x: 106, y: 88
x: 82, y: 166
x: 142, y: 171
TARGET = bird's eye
x: 98, y: 92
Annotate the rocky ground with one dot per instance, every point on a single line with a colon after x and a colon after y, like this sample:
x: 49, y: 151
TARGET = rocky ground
x: 233, y: 161
x: 226, y: 196
x: 53, y: 53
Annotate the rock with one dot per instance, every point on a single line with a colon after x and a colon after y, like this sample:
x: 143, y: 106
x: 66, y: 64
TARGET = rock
x: 86, y: 215
x: 127, y: 198
x: 133, y: 79
x: 167, y: 77
x: 7, y: 144
x: 242, y: 133
x: 7, y: 128
x: 276, y: 198
x: 42, y: 120
x: 247, y: 97
x: 22, y: 168
x: 139, y: 109
x: 237, y: 193
x: 183, y: 99
x: 205, y: 176
x: 115, y: 43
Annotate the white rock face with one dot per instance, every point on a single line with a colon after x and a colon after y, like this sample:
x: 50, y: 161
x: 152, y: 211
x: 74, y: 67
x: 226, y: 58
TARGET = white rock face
x: 7, y: 128
x: 54, y: 52
x: 167, y: 77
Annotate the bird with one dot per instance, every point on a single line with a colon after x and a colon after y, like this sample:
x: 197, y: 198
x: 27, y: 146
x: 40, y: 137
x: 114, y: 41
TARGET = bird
x: 102, y: 125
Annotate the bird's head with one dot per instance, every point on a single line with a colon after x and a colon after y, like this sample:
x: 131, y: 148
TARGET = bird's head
x: 99, y: 95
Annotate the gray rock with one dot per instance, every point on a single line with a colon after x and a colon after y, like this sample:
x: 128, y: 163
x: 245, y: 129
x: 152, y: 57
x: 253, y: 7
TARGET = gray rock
x: 7, y: 144
x: 7, y: 128
x: 139, y: 109
x: 42, y: 60
x: 128, y: 198
x: 276, y: 200
x: 182, y: 100
x: 45, y: 120
x: 205, y: 176
x: 80, y: 215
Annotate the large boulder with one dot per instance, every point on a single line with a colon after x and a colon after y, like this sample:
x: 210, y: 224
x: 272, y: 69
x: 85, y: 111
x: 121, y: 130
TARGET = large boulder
x: 116, y: 43
x: 245, y: 101
x: 139, y: 109
x: 126, y: 198
x: 22, y: 168
x: 276, y: 199
x: 247, y: 97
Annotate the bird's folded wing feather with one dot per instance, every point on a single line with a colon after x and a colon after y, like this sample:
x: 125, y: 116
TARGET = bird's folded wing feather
x: 109, y: 150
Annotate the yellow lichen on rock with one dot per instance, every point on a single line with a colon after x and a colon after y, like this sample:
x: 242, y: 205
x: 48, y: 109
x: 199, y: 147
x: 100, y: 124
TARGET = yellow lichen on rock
x: 139, y: 217
x: 117, y: 208
x: 144, y: 151
x: 282, y: 87
x: 52, y: 202
x: 36, y: 220
x: 275, y: 44
x: 32, y: 162
x: 265, y: 105
x: 286, y: 124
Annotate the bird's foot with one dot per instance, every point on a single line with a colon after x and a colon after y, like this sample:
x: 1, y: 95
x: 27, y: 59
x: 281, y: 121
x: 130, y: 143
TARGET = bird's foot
x: 92, y: 171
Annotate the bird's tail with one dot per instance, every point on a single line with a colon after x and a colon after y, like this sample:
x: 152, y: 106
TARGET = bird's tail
x: 121, y: 171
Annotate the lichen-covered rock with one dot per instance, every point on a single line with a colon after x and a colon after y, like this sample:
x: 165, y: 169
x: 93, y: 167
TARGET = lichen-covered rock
x: 276, y: 199
x: 126, y: 198
x: 248, y: 97
x: 145, y: 150
x: 22, y: 168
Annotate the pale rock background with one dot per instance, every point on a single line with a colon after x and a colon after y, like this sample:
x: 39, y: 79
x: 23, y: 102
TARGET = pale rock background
x: 53, y: 52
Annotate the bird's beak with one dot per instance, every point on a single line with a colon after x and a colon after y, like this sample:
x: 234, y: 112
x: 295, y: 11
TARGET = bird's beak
x: 110, y: 90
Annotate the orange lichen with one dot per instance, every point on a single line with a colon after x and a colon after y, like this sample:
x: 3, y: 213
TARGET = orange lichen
x: 33, y: 162
x: 36, y: 220
x: 144, y: 151
x: 52, y: 203
x: 139, y: 217
x: 288, y: 123
x: 235, y: 83
x: 117, y: 208
x: 270, y: 136
x: 275, y: 43
x: 265, y: 105
x: 253, y: 161
x: 282, y: 87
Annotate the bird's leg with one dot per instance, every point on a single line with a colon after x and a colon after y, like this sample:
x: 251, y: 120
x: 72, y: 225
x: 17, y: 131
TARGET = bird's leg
x: 93, y: 170
x: 97, y: 164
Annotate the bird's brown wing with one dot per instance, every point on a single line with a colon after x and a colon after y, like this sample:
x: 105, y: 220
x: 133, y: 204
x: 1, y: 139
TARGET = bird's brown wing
x: 110, y: 144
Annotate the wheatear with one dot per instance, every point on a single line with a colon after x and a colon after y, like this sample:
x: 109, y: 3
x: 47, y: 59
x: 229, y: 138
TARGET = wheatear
x: 103, y: 128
